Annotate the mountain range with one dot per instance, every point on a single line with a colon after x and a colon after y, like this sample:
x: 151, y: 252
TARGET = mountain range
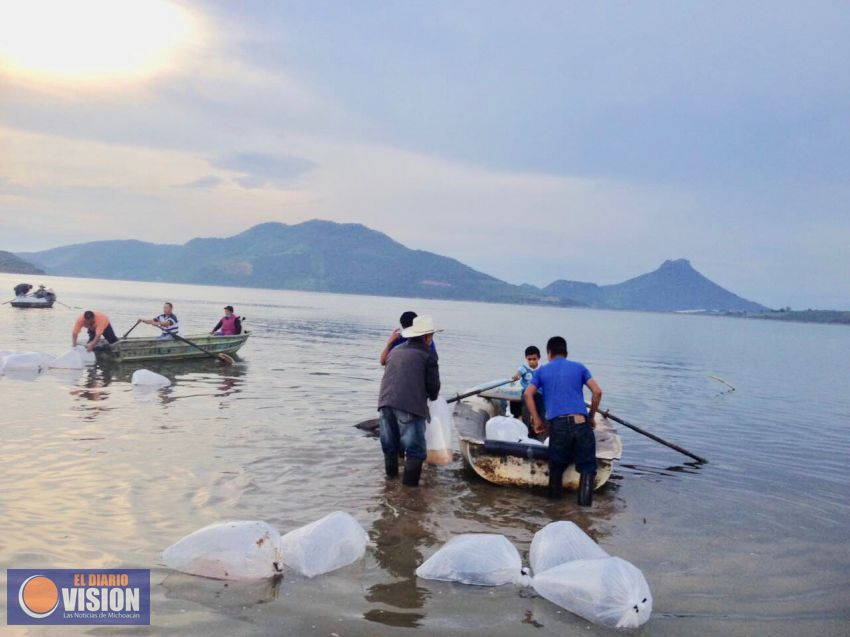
x: 13, y: 263
x: 350, y: 258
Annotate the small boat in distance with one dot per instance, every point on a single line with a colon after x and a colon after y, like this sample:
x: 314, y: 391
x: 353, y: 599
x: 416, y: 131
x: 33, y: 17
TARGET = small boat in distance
x: 515, y: 463
x: 42, y: 298
x: 169, y: 349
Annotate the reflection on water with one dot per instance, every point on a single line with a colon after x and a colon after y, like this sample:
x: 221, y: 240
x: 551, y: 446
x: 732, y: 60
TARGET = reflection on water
x: 100, y: 475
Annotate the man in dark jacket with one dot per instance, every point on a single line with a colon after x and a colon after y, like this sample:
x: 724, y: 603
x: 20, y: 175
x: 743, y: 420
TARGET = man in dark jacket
x: 411, y: 377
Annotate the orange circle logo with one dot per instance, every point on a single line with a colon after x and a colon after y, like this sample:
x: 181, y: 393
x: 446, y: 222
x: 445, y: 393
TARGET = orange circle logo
x: 38, y: 596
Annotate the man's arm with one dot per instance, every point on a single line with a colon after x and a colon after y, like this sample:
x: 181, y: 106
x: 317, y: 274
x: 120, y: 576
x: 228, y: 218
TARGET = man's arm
x: 536, y: 420
x: 432, y: 376
x: 75, y: 332
x: 218, y: 325
x: 389, y: 346
x: 595, y: 399
x: 238, y: 325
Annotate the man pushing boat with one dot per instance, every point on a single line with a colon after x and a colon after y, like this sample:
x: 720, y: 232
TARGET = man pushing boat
x: 97, y: 324
x: 411, y: 377
x: 571, y: 437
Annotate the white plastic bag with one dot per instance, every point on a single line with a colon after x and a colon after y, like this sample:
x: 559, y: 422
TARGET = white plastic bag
x: 606, y: 591
x: 335, y: 541
x: 243, y: 550
x: 438, y: 432
x: 561, y: 542
x: 506, y: 429
x: 148, y: 378
x: 75, y: 358
x: 482, y: 559
x: 23, y: 361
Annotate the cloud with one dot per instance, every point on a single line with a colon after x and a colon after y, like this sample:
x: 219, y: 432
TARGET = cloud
x: 210, y: 181
x: 259, y: 170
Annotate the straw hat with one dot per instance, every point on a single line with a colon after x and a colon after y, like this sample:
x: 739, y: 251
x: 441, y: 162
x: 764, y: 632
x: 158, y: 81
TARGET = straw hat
x: 422, y: 325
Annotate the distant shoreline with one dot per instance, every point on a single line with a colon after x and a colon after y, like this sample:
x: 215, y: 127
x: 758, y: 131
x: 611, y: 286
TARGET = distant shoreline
x: 822, y: 317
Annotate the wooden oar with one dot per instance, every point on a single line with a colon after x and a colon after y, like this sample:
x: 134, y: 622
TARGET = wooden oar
x: 127, y: 333
x: 652, y: 436
x: 373, y: 423
x: 224, y: 358
x: 70, y: 307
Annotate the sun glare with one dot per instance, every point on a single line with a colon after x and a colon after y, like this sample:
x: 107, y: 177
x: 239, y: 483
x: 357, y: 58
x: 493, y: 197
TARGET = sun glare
x: 91, y: 40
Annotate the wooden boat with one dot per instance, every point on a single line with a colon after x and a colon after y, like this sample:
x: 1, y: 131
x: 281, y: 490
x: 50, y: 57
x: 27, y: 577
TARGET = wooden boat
x: 518, y: 464
x: 169, y: 349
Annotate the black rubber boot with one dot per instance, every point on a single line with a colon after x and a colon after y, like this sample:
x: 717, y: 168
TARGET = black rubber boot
x: 556, y: 484
x: 412, y: 471
x: 391, y: 465
x: 585, y: 489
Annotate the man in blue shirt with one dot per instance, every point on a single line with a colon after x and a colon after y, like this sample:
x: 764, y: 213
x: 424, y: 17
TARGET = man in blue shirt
x: 571, y: 436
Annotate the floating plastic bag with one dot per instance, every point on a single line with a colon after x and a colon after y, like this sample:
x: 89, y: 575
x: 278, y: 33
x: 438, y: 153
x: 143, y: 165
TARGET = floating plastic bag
x: 606, y: 591
x: 482, y: 559
x: 438, y: 432
x: 335, y: 541
x: 75, y: 358
x: 148, y: 378
x: 506, y: 429
x: 243, y: 550
x: 23, y: 361
x: 561, y: 542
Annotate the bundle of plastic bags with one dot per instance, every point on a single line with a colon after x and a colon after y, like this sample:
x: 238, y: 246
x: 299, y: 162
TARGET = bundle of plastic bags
x: 570, y: 570
x: 325, y: 545
x: 505, y: 429
x: 438, y: 432
x: 242, y: 550
x: 481, y: 559
x: 250, y: 550
x: 75, y: 358
x: 23, y: 361
x: 147, y: 378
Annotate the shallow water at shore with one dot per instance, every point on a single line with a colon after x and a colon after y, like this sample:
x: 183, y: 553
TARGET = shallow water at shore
x: 98, y: 474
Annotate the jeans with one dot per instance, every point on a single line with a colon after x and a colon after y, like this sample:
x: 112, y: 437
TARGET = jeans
x: 108, y: 334
x: 402, y: 431
x: 570, y: 443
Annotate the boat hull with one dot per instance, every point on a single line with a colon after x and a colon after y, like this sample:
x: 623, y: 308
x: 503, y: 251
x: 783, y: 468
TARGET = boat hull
x: 515, y: 468
x: 169, y: 349
x: 31, y: 305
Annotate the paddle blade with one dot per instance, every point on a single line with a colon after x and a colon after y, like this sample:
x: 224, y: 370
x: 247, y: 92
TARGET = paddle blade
x: 227, y: 360
x: 368, y: 425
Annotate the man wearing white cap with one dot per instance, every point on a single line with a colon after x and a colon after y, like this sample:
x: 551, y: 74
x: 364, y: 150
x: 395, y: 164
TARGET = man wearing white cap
x: 411, y: 377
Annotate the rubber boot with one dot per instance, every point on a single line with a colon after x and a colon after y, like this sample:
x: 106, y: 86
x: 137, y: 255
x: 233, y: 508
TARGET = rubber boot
x: 585, y: 489
x: 391, y: 465
x: 412, y: 471
x: 556, y: 483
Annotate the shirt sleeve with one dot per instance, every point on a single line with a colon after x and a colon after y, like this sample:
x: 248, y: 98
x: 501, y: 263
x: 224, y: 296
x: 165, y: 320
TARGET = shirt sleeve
x: 217, y: 325
x: 238, y: 325
x: 585, y: 375
x: 432, y: 376
x: 537, y: 379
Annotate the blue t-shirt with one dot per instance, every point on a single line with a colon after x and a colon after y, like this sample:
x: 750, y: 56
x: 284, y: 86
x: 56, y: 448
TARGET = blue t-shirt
x: 562, y: 382
x: 525, y: 376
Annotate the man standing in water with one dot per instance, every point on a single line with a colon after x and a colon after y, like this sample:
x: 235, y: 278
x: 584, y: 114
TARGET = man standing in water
x: 411, y: 377
x: 97, y: 325
x: 167, y: 321
x: 571, y: 436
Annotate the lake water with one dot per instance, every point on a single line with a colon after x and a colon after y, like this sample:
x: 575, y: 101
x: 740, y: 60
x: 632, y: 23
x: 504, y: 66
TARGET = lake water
x: 753, y: 543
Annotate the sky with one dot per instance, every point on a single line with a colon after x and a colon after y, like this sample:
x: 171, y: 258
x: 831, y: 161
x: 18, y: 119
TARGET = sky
x: 534, y: 141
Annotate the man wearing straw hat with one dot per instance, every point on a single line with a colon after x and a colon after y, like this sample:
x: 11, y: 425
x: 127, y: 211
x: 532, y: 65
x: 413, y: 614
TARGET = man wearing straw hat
x: 411, y: 377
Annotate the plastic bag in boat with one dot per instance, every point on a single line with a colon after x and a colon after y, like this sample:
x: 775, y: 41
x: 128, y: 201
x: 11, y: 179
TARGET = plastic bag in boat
x: 75, y: 358
x: 146, y: 377
x: 506, y: 429
x: 23, y: 361
x: 606, y: 591
x: 561, y: 542
x: 482, y: 559
x: 242, y: 550
x: 438, y: 432
x: 335, y: 541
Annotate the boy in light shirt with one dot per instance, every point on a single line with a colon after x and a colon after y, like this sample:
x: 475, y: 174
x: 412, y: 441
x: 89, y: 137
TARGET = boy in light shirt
x: 523, y: 374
